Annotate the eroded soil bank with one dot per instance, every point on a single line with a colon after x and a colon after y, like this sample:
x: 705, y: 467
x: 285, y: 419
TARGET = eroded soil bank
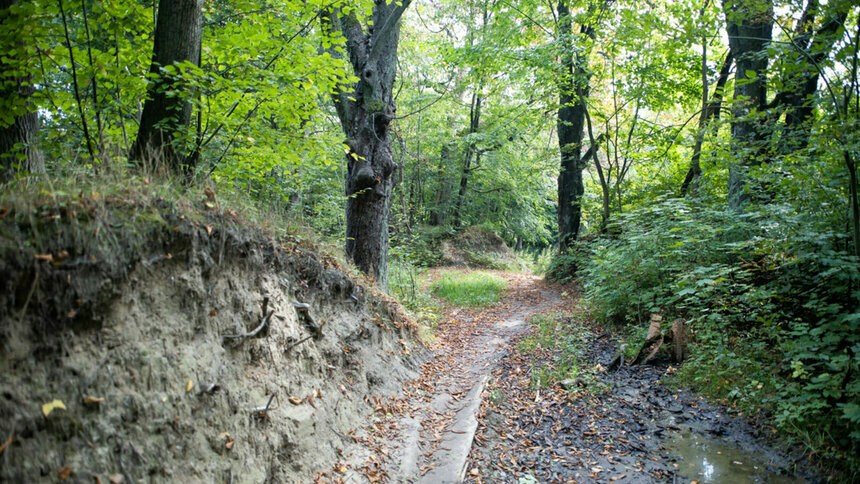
x: 178, y: 353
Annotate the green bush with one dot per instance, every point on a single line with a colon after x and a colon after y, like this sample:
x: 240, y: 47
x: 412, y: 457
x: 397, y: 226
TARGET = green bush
x: 772, y: 301
x: 563, y: 267
x: 469, y: 289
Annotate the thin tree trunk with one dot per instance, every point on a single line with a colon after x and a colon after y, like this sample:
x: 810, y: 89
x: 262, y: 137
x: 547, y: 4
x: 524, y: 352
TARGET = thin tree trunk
x: 474, y: 123
x: 802, y: 82
x: 710, y: 110
x: 749, y: 24
x: 165, y: 118
x: 366, y: 111
x: 18, y: 139
x: 439, y: 211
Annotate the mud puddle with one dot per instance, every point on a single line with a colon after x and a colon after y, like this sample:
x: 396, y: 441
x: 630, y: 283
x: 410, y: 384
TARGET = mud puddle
x: 706, y: 459
x: 619, y: 426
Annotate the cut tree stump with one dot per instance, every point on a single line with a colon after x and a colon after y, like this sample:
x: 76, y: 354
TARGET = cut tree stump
x: 653, y: 342
x: 680, y: 350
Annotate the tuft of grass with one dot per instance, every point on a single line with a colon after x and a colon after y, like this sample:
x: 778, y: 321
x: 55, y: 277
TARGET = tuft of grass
x: 469, y: 289
x: 556, y: 348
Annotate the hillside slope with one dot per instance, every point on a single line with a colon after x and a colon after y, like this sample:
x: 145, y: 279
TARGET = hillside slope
x: 129, y: 314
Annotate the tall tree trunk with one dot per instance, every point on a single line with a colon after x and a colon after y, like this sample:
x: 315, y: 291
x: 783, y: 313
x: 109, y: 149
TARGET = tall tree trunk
x: 20, y: 127
x: 166, y: 117
x: 474, y: 123
x: 366, y: 111
x: 749, y: 24
x: 710, y: 110
x: 574, y: 89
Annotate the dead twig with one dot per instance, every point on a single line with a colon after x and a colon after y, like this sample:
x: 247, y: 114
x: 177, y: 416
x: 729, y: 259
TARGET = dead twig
x: 261, y: 411
x: 290, y: 347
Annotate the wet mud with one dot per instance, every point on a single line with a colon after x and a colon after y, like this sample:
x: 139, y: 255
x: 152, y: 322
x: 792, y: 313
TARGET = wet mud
x: 617, y: 426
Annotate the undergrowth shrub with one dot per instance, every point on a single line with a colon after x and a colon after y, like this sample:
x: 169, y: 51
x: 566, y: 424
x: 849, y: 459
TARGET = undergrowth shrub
x: 772, y: 302
x: 563, y: 267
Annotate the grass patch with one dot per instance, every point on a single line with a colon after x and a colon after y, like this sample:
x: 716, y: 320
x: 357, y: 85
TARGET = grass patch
x: 557, y: 351
x: 469, y: 289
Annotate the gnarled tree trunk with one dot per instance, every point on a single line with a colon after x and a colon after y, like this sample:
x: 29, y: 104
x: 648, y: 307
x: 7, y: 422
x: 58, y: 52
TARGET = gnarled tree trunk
x: 811, y: 48
x: 178, y: 37
x: 365, y: 113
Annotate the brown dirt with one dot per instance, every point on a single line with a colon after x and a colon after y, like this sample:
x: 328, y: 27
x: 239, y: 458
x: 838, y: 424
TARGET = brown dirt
x: 415, y: 436
x: 129, y: 333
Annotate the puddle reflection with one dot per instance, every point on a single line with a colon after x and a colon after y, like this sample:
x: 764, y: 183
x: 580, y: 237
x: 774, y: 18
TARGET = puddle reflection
x: 707, y: 460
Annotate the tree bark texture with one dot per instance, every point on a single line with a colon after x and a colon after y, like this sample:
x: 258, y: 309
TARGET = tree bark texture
x: 166, y: 115
x: 574, y: 89
x: 18, y: 139
x: 366, y: 111
x: 749, y: 24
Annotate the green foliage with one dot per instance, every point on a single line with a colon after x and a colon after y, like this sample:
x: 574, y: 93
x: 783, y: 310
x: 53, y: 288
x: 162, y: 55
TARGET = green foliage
x: 406, y: 284
x: 469, y: 289
x: 771, y: 299
x: 425, y: 246
x: 563, y: 267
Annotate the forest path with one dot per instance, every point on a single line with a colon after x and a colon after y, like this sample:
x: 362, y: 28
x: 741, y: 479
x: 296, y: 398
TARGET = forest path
x: 427, y: 433
x: 473, y: 414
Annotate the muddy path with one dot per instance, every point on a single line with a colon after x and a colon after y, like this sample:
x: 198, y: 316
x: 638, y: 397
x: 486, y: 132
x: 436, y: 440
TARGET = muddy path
x: 425, y: 433
x: 625, y: 426
x: 474, y: 414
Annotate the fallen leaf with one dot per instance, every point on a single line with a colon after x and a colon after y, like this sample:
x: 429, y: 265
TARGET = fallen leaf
x: 44, y: 257
x: 212, y: 312
x: 64, y: 473
x: 209, y: 228
x: 295, y: 400
x: 189, y: 386
x: 229, y: 444
x: 116, y: 478
x: 7, y: 443
x: 474, y: 472
x: 49, y: 407
x: 94, y: 400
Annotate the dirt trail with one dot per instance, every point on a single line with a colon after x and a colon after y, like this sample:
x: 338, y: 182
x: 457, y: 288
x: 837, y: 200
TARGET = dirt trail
x: 426, y: 434
x: 472, y: 414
